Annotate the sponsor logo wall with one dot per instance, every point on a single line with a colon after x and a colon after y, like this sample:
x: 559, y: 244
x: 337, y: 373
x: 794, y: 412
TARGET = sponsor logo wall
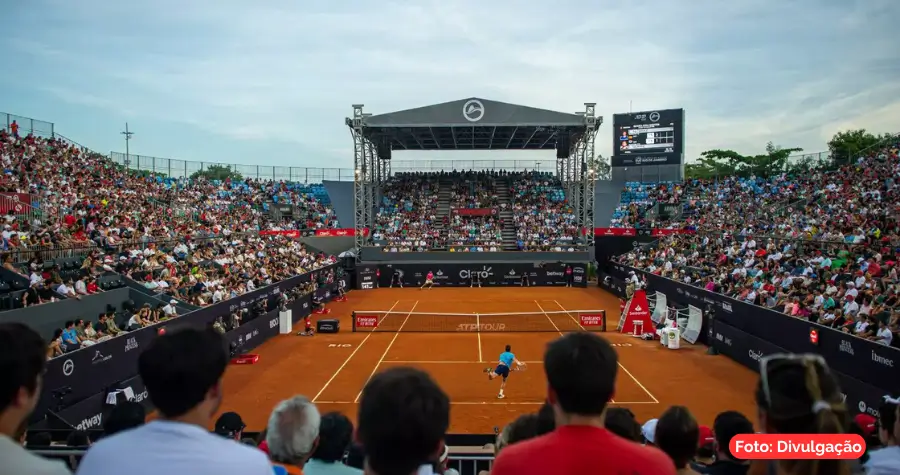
x: 365, y: 277
x: 90, y: 413
x: 860, y: 359
x: 611, y: 284
x: 91, y: 370
x: 749, y: 350
x: 491, y: 275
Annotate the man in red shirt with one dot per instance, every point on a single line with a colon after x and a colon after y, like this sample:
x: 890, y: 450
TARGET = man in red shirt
x: 581, y: 373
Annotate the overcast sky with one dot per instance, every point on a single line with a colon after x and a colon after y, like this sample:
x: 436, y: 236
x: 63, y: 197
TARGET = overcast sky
x: 270, y: 82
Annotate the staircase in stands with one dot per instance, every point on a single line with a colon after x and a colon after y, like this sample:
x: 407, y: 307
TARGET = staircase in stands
x: 445, y: 184
x: 505, y: 214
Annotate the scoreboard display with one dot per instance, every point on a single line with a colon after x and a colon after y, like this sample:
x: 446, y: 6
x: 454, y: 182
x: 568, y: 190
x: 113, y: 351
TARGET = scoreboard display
x: 648, y: 138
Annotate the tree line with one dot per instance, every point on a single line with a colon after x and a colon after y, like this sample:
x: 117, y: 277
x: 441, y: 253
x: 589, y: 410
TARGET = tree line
x: 843, y: 148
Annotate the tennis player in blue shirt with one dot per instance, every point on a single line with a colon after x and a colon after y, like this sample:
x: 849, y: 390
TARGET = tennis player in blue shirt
x: 506, y: 360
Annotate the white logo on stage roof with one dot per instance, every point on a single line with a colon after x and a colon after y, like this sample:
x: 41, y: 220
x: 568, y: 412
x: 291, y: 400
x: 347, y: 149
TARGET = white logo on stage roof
x: 654, y: 116
x: 131, y: 344
x: 473, y: 110
x: 68, y: 367
x: 846, y: 347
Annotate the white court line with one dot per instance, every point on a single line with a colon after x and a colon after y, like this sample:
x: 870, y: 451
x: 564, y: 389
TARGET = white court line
x: 446, y: 362
x: 656, y: 401
x: 350, y: 357
x: 386, y: 350
x: 494, y: 403
x: 548, y: 317
x: 478, y: 330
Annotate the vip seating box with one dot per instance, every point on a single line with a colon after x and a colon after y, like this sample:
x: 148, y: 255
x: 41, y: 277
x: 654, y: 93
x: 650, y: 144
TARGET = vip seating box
x: 862, y: 360
x: 498, y: 274
x: 80, y: 374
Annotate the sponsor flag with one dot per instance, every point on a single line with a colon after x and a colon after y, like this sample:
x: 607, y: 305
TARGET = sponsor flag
x: 638, y: 310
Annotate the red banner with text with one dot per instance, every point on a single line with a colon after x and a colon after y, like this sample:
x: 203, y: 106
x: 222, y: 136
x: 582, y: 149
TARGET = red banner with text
x: 615, y: 232
x: 291, y: 233
x: 475, y: 211
x: 15, y: 202
x: 343, y: 232
x: 669, y: 232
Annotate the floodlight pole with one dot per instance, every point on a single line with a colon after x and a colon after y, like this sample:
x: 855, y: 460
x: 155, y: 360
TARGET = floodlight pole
x: 128, y: 134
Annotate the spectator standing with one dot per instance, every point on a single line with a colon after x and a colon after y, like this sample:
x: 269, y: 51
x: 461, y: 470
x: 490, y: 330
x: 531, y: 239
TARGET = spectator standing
x: 581, y: 373
x: 727, y: 425
x: 230, y: 425
x: 335, y: 436
x: 292, y: 434
x: 403, y: 418
x: 23, y: 356
x: 797, y: 394
x: 678, y: 435
x: 886, y: 460
x: 182, y: 371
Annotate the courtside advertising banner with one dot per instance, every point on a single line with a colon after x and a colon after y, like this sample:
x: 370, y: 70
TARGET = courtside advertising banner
x: 490, y: 275
x: 89, y: 370
x: 749, y: 350
x: 860, y: 359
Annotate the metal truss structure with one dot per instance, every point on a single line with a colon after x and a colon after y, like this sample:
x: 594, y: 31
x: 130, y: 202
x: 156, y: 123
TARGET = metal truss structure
x: 577, y: 176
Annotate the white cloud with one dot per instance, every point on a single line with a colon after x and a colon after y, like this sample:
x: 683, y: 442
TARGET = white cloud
x: 746, y: 72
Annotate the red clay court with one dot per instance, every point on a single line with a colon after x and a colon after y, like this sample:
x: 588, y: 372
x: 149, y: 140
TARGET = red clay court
x: 333, y: 368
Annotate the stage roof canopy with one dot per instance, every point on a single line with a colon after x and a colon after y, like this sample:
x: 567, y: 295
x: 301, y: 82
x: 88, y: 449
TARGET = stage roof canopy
x: 473, y: 124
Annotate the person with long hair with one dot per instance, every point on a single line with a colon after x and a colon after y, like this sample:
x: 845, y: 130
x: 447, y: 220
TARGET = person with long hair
x: 797, y: 394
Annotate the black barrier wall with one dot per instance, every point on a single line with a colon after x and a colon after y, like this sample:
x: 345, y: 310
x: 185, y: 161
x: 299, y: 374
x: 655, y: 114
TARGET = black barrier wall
x: 748, y: 350
x: 460, y: 275
x: 88, y: 371
x: 860, y: 359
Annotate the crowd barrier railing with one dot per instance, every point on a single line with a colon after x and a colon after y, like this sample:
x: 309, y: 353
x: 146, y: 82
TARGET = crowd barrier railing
x: 859, y: 359
x: 184, y: 168
x: 27, y: 125
x: 82, y: 373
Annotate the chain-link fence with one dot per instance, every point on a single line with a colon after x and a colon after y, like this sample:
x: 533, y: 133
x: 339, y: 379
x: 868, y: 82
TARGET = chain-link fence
x: 26, y: 125
x: 183, y: 168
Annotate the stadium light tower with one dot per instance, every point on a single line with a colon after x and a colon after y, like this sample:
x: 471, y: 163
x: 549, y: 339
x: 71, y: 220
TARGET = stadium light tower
x: 127, y: 133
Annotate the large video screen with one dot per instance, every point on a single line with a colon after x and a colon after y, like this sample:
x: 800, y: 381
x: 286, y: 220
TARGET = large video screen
x: 648, y: 138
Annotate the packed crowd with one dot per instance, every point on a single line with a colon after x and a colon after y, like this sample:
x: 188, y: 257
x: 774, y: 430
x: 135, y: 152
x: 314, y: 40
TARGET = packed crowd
x: 83, y: 199
x: 543, y: 218
x: 478, y: 233
x: 404, y: 415
x: 408, y: 212
x: 831, y: 260
x: 474, y: 190
x: 640, y: 198
x: 853, y: 203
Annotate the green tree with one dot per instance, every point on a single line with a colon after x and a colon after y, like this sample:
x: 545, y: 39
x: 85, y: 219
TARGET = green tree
x: 601, y: 167
x: 724, y: 163
x: 217, y: 172
x: 845, y: 145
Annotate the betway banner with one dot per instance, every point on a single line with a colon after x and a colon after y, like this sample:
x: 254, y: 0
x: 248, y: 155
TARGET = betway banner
x: 343, y: 232
x: 474, y: 211
x: 860, y: 359
x: 491, y: 275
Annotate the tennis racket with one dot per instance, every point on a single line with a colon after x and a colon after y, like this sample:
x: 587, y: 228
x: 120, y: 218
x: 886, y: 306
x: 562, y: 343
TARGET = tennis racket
x: 521, y: 367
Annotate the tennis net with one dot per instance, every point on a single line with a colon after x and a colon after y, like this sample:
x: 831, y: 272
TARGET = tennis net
x: 559, y: 321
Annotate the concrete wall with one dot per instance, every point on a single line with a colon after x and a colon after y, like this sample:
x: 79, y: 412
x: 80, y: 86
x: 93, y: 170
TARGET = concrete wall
x: 341, y: 195
x: 48, y: 317
x: 376, y: 254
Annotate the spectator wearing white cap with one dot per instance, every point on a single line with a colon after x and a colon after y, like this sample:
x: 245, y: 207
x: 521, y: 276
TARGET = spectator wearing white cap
x: 648, y: 431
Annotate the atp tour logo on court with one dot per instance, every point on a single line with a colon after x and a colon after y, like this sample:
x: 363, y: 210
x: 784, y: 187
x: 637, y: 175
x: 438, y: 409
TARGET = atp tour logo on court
x: 473, y: 110
x: 484, y: 273
x: 480, y: 327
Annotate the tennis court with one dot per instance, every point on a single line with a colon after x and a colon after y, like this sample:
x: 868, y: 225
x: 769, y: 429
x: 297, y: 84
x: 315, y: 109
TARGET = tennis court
x: 415, y: 330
